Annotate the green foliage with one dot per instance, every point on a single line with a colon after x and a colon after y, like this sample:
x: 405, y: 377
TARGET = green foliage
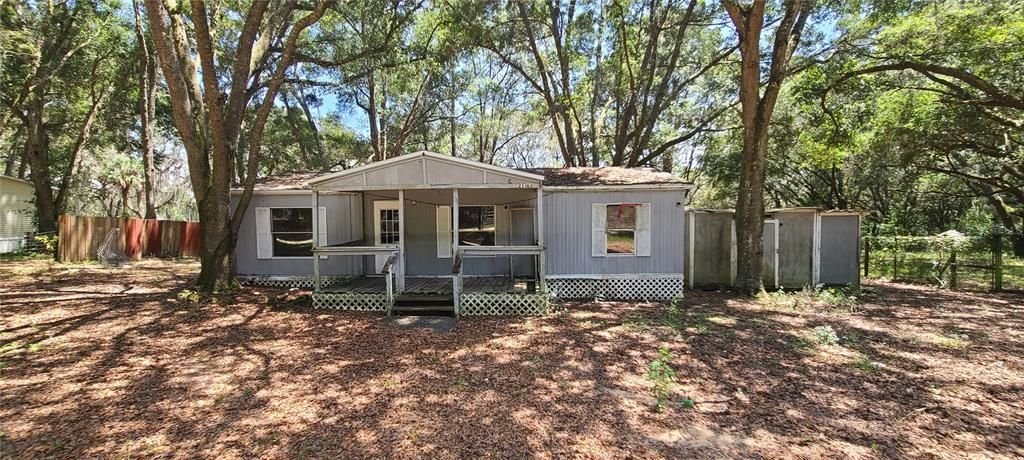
x: 663, y: 378
x: 866, y: 365
x: 189, y: 295
x: 825, y: 335
x: 49, y: 242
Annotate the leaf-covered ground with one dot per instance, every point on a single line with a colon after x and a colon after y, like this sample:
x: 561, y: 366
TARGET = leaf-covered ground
x: 101, y: 362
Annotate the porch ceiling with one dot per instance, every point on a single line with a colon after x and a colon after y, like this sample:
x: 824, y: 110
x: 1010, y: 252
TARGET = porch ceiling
x: 443, y: 197
x: 425, y: 170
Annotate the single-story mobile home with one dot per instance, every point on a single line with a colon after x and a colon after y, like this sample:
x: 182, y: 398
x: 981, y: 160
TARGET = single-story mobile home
x: 430, y: 232
x: 425, y: 230
x: 15, y: 212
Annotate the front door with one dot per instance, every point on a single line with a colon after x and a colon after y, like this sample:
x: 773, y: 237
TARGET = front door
x: 523, y: 235
x: 385, y: 228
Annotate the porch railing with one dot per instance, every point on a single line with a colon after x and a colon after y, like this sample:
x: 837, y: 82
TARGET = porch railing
x: 389, y: 280
x: 323, y: 251
x: 457, y: 281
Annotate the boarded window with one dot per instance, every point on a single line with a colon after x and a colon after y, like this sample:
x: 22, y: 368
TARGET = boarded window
x: 620, y: 229
x: 291, y: 230
x: 476, y: 225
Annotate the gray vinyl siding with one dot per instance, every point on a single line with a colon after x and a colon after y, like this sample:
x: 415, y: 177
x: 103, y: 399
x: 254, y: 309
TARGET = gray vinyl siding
x: 567, y: 233
x: 343, y: 226
x: 796, y: 248
x: 16, y: 212
x: 840, y: 248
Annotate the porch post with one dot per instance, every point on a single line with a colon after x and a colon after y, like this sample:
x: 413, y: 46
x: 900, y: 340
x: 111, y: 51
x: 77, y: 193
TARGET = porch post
x: 316, y: 240
x: 456, y: 277
x: 455, y: 221
x: 401, y: 240
x: 539, y: 230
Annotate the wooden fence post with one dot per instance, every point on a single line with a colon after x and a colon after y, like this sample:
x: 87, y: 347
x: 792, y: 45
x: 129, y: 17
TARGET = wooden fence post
x: 952, y: 269
x: 997, y: 262
x: 867, y: 257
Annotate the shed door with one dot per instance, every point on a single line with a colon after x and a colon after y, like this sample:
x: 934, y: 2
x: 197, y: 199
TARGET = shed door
x: 523, y: 235
x: 770, y: 244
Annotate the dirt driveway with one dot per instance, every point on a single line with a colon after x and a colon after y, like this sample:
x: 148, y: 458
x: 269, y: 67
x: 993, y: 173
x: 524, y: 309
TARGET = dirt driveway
x: 111, y: 363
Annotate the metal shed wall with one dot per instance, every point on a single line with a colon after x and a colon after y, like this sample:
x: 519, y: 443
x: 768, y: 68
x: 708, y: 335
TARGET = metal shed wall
x: 840, y: 249
x: 567, y: 233
x: 344, y: 224
x: 712, y: 250
x: 796, y: 248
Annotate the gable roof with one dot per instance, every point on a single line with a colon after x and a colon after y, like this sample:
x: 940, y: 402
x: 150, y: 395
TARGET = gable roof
x: 604, y: 176
x: 424, y: 156
x: 294, y: 180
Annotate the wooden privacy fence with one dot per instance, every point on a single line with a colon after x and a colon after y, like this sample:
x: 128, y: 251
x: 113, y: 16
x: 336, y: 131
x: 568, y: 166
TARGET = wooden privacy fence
x: 81, y: 236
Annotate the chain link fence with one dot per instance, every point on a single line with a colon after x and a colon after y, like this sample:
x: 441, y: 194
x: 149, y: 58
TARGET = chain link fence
x: 949, y: 260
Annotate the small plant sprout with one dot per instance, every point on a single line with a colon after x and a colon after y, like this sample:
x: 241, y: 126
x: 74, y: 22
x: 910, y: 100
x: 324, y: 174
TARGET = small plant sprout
x: 663, y: 377
x: 189, y: 296
x: 688, y: 403
x: 825, y: 335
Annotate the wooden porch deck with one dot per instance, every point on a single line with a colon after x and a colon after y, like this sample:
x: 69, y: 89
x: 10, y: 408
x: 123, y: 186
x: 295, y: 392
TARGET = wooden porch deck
x: 436, y: 286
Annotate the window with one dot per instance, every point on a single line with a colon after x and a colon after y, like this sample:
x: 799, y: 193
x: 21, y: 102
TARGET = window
x: 291, y: 230
x: 620, y: 229
x: 476, y: 225
x: 389, y: 233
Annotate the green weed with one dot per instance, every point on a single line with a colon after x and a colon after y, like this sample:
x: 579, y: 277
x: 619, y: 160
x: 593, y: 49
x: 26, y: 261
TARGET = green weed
x: 825, y: 335
x: 864, y: 364
x: 663, y: 377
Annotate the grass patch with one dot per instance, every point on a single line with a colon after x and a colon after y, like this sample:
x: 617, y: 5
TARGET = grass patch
x: 866, y: 365
x: 801, y: 344
x: 952, y: 340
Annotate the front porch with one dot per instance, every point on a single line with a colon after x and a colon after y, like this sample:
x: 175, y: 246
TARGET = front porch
x: 439, y: 230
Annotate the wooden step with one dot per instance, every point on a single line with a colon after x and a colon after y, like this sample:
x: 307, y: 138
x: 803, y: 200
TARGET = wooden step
x: 425, y: 310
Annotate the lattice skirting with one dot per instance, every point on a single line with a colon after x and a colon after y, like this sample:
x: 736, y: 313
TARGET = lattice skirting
x: 653, y: 288
x: 482, y: 303
x: 302, y: 282
x: 351, y: 301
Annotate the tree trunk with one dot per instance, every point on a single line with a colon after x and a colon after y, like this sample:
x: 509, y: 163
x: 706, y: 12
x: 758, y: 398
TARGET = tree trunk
x: 147, y: 111
x: 217, y: 241
x: 756, y: 114
x: 37, y: 152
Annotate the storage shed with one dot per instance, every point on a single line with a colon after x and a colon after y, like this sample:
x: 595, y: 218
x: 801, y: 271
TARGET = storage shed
x: 803, y: 246
x: 711, y: 260
x: 15, y: 212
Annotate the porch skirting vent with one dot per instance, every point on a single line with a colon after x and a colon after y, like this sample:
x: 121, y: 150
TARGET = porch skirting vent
x: 503, y: 304
x: 636, y: 287
x: 354, y: 301
x: 301, y: 282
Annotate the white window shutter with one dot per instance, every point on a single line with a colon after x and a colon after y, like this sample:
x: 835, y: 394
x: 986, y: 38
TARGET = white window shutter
x: 598, y: 223
x: 321, y: 231
x: 643, y: 230
x: 264, y: 240
x: 444, y: 232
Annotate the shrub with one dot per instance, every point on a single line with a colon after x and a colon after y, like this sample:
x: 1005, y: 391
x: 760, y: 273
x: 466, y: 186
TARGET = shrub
x: 48, y: 242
